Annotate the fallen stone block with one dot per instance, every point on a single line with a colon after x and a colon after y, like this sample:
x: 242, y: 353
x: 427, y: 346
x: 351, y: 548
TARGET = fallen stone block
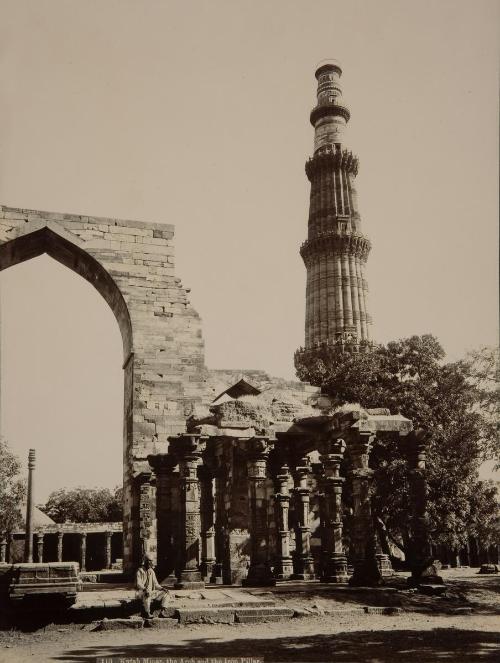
x: 460, y: 611
x: 204, y: 616
x: 302, y: 612
x: 488, y: 569
x: 168, y: 612
x: 121, y: 624
x: 432, y: 590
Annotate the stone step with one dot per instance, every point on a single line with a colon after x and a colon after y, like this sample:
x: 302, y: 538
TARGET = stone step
x: 131, y: 623
x: 253, y: 615
x: 205, y: 616
x: 120, y: 624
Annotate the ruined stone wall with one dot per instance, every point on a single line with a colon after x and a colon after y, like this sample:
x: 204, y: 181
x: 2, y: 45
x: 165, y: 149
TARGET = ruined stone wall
x: 131, y: 264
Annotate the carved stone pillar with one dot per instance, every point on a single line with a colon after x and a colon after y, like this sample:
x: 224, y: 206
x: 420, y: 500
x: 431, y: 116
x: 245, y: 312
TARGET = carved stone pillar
x: 60, y: 546
x: 28, y: 536
x: 303, y: 560
x: 188, y: 449
x: 208, y: 558
x: 39, y: 547
x: 221, y: 518
x: 334, y: 563
x: 366, y: 571
x: 10, y: 540
x: 3, y: 551
x: 167, y: 521
x: 259, y: 573
x: 421, y: 558
x: 109, y: 561
x: 147, y: 542
x: 284, y: 565
x: 83, y: 550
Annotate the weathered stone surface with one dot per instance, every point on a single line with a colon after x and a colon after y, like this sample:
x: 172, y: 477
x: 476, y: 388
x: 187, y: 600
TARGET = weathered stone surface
x: 205, y: 616
x: 119, y: 624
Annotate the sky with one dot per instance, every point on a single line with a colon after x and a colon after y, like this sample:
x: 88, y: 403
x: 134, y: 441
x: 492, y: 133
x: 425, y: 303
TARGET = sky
x: 197, y: 113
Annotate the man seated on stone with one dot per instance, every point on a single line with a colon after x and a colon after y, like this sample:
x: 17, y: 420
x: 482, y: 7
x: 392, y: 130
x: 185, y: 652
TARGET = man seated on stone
x: 149, y: 589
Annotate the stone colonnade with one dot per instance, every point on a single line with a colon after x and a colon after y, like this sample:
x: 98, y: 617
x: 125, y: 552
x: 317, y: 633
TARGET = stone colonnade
x: 194, y: 543
x: 49, y: 543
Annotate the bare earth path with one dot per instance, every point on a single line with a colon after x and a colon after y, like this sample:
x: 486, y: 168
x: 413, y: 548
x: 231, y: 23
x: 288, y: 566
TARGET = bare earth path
x: 409, y: 637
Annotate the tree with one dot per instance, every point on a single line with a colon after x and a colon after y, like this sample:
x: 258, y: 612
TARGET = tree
x: 453, y: 401
x: 12, y: 490
x: 84, y: 505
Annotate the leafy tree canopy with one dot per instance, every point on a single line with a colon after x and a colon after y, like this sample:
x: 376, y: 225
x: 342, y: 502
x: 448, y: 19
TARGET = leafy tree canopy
x: 456, y: 402
x: 12, y: 490
x: 84, y: 505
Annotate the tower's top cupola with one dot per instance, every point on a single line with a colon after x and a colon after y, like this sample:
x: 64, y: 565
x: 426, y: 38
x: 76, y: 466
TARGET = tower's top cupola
x: 329, y: 116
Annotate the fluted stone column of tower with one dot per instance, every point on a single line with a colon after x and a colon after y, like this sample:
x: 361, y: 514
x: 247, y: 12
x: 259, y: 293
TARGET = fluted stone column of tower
x: 335, y: 251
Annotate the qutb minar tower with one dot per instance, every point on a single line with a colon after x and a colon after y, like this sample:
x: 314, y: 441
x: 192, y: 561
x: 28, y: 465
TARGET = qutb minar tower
x: 335, y: 251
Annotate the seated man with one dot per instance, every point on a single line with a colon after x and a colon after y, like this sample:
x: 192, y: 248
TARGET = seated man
x: 148, y: 587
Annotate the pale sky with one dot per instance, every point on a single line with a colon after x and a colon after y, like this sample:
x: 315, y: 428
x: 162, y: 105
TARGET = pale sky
x: 197, y: 114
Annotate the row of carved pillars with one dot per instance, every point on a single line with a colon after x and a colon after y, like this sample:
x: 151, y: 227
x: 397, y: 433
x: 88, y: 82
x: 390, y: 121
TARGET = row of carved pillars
x: 263, y: 459
x: 280, y: 461
x: 5, y: 546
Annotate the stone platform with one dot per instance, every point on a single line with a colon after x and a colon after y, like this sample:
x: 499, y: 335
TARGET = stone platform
x: 119, y: 608
x: 229, y: 597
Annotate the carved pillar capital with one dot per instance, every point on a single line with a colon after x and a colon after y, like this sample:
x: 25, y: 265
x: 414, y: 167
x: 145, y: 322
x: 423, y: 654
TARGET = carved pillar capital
x: 188, y: 447
x: 162, y: 464
x: 257, y: 455
x: 360, y: 446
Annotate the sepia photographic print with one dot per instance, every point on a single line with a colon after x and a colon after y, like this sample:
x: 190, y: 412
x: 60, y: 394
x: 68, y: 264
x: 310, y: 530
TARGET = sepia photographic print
x: 249, y: 331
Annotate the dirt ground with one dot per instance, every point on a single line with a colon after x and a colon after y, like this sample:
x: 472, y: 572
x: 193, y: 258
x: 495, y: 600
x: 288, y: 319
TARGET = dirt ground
x: 429, y: 629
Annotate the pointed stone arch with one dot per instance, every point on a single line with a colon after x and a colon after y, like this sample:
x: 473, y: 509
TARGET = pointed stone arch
x: 131, y: 264
x: 68, y: 250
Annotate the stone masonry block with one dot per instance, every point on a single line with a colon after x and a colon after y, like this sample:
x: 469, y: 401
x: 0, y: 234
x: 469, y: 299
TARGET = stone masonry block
x: 205, y: 616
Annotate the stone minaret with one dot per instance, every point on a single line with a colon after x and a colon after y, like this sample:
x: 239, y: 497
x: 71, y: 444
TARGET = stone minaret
x: 335, y: 251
